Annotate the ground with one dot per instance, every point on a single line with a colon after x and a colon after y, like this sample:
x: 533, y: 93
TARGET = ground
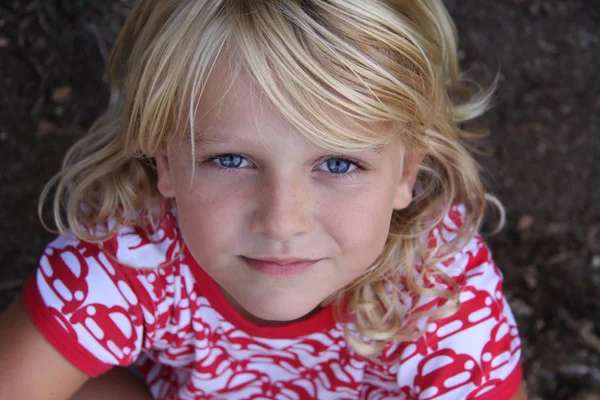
x: 542, y: 165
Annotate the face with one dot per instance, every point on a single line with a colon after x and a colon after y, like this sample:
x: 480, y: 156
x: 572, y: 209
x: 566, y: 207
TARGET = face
x: 256, y: 196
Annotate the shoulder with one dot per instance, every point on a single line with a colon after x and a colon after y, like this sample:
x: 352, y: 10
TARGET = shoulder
x: 100, y: 303
x: 150, y: 247
x: 476, y: 349
x: 130, y: 254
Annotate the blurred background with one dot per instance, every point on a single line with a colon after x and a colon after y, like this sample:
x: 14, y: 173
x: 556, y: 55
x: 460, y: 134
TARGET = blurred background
x: 544, y: 136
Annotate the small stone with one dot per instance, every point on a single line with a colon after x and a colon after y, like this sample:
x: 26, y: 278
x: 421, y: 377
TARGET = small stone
x: 62, y: 94
x: 525, y: 223
x: 4, y: 42
x: 539, y: 325
x: 46, y: 128
x: 521, y: 308
x: 530, y: 277
x: 596, y: 261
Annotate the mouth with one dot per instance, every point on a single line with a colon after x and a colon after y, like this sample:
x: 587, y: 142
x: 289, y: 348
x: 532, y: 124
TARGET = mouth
x: 280, y: 267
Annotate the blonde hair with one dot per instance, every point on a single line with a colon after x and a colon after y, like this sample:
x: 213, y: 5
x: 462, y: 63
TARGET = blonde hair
x: 392, y: 63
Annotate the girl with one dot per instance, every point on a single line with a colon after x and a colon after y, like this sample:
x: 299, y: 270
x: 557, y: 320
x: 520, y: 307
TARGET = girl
x: 278, y: 203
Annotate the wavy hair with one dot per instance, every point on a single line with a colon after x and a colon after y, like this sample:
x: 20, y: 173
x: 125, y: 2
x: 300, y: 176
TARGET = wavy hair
x: 384, y: 62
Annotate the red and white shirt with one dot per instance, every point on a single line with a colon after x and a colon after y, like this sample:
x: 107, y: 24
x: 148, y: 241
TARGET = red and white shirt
x: 122, y: 302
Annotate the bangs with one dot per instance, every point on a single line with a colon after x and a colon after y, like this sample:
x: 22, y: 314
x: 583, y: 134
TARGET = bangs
x: 337, y: 73
x: 164, y: 82
x: 345, y: 76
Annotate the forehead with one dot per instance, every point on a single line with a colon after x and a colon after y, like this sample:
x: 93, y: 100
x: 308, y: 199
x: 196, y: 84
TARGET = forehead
x: 229, y: 96
x: 232, y: 107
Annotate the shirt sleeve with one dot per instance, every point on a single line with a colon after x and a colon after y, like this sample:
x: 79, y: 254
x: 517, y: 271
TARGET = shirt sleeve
x: 94, y: 311
x: 474, y: 353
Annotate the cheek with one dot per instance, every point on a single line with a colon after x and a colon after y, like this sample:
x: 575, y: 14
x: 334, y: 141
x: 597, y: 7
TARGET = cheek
x: 360, y: 226
x: 209, y: 220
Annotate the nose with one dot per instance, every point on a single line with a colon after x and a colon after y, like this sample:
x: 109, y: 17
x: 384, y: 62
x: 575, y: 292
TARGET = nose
x: 283, y: 209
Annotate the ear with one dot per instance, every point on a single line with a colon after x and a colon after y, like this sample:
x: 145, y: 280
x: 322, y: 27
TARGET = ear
x: 404, y: 192
x: 165, y: 182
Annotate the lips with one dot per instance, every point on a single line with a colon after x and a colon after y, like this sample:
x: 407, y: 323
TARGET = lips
x: 280, y: 267
x: 281, y: 261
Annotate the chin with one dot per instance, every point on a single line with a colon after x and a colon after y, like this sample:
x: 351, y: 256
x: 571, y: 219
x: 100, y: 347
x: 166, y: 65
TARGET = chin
x: 280, y: 314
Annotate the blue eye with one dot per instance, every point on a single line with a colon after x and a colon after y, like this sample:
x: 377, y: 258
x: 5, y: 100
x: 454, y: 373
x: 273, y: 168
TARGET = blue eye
x: 339, y: 167
x: 228, y: 161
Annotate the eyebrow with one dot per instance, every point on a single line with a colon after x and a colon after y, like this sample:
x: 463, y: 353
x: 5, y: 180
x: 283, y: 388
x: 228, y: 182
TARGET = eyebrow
x: 211, y: 136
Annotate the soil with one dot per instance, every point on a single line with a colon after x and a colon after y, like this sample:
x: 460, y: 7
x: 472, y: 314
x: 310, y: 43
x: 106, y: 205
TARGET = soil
x: 543, y: 163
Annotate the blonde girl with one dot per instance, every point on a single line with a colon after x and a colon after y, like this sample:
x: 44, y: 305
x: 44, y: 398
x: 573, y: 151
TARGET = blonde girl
x: 278, y: 203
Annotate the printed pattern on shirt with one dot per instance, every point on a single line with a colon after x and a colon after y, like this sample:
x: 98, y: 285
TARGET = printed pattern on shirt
x: 146, y: 309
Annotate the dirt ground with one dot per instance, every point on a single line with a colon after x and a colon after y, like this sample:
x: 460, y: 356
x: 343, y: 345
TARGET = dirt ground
x: 544, y: 135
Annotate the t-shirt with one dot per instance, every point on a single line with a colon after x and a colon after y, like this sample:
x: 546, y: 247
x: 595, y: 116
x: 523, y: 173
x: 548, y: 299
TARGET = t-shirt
x: 141, y: 298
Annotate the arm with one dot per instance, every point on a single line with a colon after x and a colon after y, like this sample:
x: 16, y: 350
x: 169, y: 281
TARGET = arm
x: 30, y: 367
x: 479, y: 342
x: 520, y: 395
